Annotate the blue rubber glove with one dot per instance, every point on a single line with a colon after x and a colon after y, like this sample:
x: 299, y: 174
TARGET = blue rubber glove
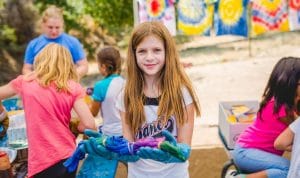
x: 83, y: 147
x: 72, y: 163
x: 163, y: 156
x: 169, y: 137
x: 92, y: 133
x: 185, y: 149
x: 91, y: 146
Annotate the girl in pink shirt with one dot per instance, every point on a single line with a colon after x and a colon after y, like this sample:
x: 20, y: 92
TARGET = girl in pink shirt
x: 254, y: 152
x: 49, y: 93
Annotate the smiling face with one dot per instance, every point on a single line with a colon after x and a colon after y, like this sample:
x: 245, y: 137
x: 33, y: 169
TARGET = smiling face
x: 52, y: 27
x: 150, y: 56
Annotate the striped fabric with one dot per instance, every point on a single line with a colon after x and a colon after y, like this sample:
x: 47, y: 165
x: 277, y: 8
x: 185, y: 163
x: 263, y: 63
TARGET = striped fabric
x: 269, y: 15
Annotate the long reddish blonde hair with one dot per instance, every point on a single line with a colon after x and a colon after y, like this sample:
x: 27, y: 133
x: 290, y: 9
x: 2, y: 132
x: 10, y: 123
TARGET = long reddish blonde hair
x: 172, y: 80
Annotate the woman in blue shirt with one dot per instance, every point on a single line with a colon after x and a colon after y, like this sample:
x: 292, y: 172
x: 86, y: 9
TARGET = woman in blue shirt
x: 52, y: 23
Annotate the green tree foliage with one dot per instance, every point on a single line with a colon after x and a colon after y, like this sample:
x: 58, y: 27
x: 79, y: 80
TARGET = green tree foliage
x: 17, y: 22
x: 114, y: 15
x: 71, y: 14
x: 95, y: 22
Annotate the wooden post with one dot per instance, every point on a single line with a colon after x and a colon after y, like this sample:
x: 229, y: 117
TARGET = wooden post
x: 135, y: 12
x: 249, y: 29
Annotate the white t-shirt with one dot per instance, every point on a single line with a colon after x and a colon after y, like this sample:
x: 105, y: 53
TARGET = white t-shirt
x: 294, y: 170
x: 148, y: 168
x: 106, y: 92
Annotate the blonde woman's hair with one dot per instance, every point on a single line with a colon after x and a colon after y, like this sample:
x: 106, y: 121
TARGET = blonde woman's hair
x: 54, y: 64
x: 172, y: 79
x: 52, y: 12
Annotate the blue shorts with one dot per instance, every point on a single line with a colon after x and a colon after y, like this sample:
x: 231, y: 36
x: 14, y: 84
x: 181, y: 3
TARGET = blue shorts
x: 250, y: 160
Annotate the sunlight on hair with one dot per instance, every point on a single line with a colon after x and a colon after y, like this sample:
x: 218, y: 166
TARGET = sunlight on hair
x: 52, y: 12
x: 54, y: 64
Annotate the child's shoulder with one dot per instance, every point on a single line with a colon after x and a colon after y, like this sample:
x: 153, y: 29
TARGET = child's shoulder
x: 21, y: 78
x: 69, y: 38
x: 187, y: 95
x: 269, y: 109
x: 185, y: 91
x: 74, y: 83
x: 109, y: 79
x: 75, y: 88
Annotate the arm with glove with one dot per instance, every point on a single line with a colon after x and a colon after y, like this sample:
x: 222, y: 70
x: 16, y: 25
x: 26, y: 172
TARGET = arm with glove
x: 94, y: 147
x: 168, y: 151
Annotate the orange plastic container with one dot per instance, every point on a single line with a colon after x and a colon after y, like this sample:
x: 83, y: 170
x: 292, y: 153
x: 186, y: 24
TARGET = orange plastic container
x: 4, y: 161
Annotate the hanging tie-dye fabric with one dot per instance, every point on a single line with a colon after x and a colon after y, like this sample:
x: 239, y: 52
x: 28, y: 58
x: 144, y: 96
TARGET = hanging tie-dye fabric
x: 162, y: 10
x: 195, y: 16
x: 269, y: 15
x: 294, y: 14
x: 231, y: 17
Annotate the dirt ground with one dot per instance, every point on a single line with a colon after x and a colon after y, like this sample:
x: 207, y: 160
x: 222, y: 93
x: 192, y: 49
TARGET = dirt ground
x: 200, y: 163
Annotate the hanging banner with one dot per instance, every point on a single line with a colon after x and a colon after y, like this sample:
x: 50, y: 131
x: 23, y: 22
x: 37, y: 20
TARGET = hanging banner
x: 162, y: 10
x: 231, y: 17
x: 269, y: 15
x: 195, y: 16
x: 294, y: 14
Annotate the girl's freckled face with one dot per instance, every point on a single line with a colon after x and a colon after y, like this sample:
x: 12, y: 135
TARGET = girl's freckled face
x: 150, y: 55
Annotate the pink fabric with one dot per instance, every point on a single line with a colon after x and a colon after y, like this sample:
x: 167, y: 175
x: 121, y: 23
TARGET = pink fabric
x: 48, y: 115
x: 263, y: 132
